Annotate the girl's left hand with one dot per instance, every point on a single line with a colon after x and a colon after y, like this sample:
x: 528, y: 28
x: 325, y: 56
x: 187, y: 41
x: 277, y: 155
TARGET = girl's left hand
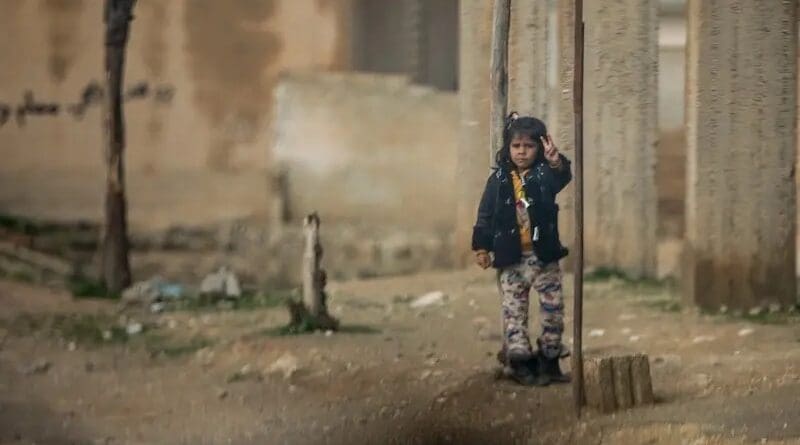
x: 550, y: 150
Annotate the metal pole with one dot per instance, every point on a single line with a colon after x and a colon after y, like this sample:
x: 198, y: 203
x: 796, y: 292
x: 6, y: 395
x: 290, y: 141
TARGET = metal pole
x: 577, y: 355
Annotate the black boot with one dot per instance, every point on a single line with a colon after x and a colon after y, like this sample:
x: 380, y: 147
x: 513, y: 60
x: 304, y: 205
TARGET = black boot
x: 550, y: 366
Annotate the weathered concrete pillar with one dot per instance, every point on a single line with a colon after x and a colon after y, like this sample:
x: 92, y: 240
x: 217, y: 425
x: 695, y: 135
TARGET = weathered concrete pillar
x: 741, y: 115
x: 527, y: 58
x: 562, y: 126
x: 415, y: 38
x: 620, y: 121
x: 473, y: 146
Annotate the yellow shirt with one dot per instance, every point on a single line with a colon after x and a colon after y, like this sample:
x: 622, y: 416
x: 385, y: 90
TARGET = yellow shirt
x: 524, y: 224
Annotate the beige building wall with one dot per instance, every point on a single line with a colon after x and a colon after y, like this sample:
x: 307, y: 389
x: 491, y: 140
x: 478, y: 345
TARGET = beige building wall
x: 201, y: 156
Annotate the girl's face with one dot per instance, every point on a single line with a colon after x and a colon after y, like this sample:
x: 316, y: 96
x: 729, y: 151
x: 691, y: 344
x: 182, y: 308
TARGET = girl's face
x: 523, y: 151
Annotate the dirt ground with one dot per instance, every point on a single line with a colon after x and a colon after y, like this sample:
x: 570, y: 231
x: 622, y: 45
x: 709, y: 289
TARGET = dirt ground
x: 395, y: 375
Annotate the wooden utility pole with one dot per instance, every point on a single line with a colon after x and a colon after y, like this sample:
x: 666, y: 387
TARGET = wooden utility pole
x: 116, y: 272
x: 577, y: 355
x: 498, y: 76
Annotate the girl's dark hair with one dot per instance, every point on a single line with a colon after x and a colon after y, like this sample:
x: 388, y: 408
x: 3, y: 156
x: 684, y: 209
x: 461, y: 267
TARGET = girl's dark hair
x: 520, y: 126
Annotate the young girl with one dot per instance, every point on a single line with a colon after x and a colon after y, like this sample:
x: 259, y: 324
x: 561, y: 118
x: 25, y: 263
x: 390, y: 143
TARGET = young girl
x: 518, y: 223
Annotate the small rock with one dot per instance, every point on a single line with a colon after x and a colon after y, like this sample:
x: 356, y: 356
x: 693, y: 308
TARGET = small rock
x: 158, y: 307
x: 703, y: 339
x: 222, y: 393
x: 597, y: 332
x: 222, y: 283
x: 431, y: 298
x: 425, y: 374
x: 287, y: 365
x: 172, y: 324
x: 40, y: 366
x: 702, y: 380
x: 328, y: 333
x: 107, y: 335
x: 634, y: 338
x: 134, y: 328
x: 744, y: 332
x: 72, y: 346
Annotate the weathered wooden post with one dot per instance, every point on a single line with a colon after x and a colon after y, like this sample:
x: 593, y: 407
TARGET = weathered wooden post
x: 312, y: 256
x: 116, y: 274
x: 618, y: 382
x: 311, y: 313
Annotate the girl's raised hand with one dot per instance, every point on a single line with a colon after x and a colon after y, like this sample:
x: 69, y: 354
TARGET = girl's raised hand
x: 550, y: 150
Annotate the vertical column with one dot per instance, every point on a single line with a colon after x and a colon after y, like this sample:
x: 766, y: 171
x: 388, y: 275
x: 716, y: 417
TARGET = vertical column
x: 741, y: 120
x: 473, y: 146
x: 527, y: 58
x: 620, y: 121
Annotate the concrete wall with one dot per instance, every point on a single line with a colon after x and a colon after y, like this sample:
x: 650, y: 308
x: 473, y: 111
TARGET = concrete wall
x: 368, y: 149
x: 200, y: 156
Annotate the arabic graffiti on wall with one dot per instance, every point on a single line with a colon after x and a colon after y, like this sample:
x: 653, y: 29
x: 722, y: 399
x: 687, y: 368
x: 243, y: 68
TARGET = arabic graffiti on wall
x: 91, y: 95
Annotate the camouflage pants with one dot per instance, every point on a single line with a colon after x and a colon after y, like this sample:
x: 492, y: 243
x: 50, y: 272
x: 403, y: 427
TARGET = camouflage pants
x: 515, y: 283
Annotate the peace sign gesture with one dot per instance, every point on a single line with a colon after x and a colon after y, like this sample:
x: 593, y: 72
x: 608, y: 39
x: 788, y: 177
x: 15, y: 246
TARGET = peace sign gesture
x: 550, y: 150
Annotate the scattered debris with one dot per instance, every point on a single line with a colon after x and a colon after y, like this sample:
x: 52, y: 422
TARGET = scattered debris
x: 703, y: 339
x: 244, y: 373
x: 154, y: 293
x: 40, y: 366
x: 221, y: 284
x: 287, y: 365
x: 134, y: 328
x: 744, y: 332
x: 597, y: 332
x: 431, y: 298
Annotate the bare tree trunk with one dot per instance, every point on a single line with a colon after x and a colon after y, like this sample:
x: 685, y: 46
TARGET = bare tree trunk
x: 116, y: 273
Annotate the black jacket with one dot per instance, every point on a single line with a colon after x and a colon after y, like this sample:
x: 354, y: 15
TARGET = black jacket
x: 496, y: 229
